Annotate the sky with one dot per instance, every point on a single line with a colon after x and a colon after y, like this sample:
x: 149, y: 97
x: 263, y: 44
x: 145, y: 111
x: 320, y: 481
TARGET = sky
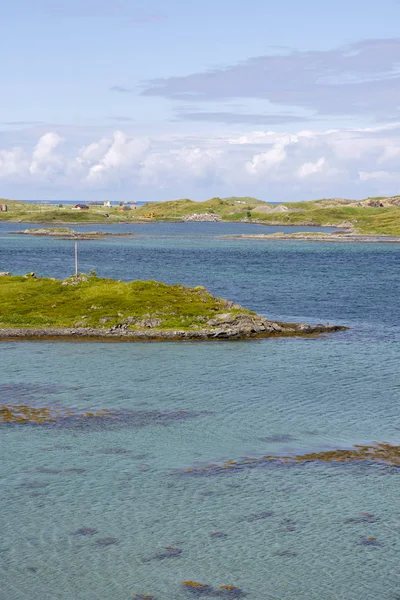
x: 162, y: 99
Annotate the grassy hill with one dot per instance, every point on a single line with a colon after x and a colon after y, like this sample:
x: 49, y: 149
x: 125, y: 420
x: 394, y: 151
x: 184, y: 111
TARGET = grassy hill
x: 101, y: 303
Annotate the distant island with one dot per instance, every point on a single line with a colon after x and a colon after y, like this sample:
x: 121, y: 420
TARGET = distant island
x: 90, y: 308
x: 372, y: 216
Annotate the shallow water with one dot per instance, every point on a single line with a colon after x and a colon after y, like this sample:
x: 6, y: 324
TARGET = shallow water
x: 128, y: 484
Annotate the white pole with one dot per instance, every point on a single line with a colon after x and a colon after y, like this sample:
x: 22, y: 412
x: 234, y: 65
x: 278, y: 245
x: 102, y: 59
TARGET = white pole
x: 76, y: 259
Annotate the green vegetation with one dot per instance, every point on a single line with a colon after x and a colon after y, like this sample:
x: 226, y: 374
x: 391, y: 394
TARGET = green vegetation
x: 360, y: 219
x: 375, y: 216
x: 170, y: 210
x: 88, y: 301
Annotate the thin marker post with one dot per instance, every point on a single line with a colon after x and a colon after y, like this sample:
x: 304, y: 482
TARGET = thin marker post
x: 76, y: 259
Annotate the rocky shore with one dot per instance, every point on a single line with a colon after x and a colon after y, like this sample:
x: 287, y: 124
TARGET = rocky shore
x: 223, y: 327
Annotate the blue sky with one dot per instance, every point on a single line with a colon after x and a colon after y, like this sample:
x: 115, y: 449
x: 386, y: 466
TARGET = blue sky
x: 156, y: 99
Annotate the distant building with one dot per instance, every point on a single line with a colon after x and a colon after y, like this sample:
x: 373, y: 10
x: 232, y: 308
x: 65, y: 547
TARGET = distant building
x: 81, y: 207
x: 107, y: 203
x: 125, y: 207
x: 3, y: 208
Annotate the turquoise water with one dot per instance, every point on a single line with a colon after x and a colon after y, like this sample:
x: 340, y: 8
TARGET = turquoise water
x: 127, y: 481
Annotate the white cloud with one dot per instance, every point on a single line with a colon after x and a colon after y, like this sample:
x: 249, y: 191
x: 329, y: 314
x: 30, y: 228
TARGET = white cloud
x: 310, y: 168
x: 12, y: 162
x: 270, y: 165
x: 44, y: 161
x: 266, y: 161
x: 122, y: 157
x: 190, y: 164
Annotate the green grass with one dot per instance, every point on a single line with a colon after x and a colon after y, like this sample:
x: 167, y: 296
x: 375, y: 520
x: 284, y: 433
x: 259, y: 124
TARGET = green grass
x: 36, y: 303
x: 363, y: 220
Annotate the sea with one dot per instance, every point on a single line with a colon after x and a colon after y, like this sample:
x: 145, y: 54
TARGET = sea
x: 118, y: 509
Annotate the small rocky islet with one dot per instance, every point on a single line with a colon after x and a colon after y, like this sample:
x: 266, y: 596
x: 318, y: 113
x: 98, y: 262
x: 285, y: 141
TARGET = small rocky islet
x: 67, y: 233
x: 87, y: 307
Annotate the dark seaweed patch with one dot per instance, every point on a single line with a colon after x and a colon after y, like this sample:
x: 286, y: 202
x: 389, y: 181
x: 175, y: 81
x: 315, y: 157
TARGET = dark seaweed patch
x: 107, y: 541
x: 288, y: 525
x: 223, y: 591
x: 279, y: 438
x: 218, y: 534
x: 229, y: 591
x: 75, y: 470
x: 360, y: 457
x: 103, y: 420
x: 198, y: 589
x: 364, y: 517
x: 33, y: 484
x: 369, y: 541
x: 47, y: 471
x: 50, y: 471
x: 259, y: 516
x: 85, y: 531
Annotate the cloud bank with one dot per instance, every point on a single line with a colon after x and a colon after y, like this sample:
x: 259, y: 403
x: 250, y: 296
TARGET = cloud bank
x: 268, y: 164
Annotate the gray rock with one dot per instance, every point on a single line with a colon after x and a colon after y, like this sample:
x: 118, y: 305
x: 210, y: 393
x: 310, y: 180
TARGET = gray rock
x: 149, y: 323
x: 202, y: 217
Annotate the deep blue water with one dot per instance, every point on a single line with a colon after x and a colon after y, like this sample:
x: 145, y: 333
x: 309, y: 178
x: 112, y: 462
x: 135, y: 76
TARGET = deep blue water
x: 128, y: 482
